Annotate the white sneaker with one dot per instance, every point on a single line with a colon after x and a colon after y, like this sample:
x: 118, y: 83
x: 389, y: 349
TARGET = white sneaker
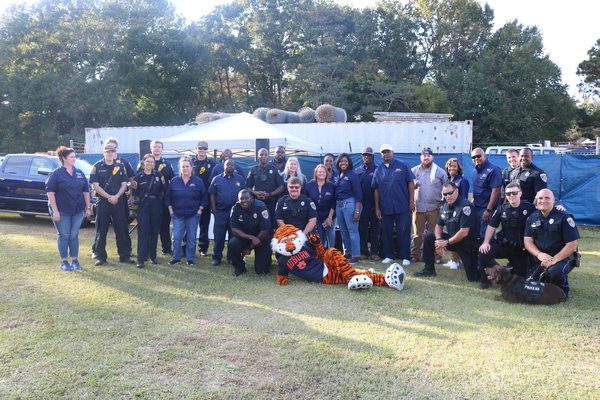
x: 449, y: 264
x: 405, y: 262
x: 454, y: 265
x: 387, y: 260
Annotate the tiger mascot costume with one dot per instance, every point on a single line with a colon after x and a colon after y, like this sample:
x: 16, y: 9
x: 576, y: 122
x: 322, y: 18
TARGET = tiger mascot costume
x: 312, y: 262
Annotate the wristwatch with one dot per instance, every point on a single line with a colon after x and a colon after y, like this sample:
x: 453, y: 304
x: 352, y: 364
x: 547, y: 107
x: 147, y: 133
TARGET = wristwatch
x: 488, y: 210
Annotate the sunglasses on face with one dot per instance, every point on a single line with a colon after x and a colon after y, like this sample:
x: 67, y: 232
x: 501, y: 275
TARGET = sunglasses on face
x: 449, y: 193
x: 512, y: 193
x: 202, y: 148
x: 293, y: 187
x: 476, y: 156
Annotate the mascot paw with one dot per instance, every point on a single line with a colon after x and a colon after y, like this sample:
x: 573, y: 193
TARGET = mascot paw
x: 314, y: 239
x: 395, y: 276
x: 360, y: 282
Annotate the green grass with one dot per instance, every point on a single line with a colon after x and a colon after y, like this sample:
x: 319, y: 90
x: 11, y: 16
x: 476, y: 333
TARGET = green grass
x: 116, y: 331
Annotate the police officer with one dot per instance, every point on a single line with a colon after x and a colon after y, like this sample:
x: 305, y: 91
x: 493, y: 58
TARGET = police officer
x: 148, y: 187
x: 551, y: 237
x: 531, y: 178
x: 166, y: 169
x: 279, y: 159
x: 223, y: 192
x: 203, y: 167
x: 460, y: 219
x: 296, y: 209
x: 265, y: 183
x: 109, y: 180
x: 512, y: 158
x: 512, y: 215
x: 226, y: 154
x: 250, y: 224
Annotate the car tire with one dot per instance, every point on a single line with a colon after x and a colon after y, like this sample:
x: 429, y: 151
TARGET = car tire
x: 28, y: 215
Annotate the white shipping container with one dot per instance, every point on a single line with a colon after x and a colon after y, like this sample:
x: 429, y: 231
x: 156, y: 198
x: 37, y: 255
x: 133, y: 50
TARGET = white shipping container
x: 128, y: 137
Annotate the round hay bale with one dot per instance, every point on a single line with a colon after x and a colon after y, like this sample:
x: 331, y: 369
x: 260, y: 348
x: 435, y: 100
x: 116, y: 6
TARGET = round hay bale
x: 261, y: 113
x: 277, y: 116
x: 293, y: 118
x: 306, y: 115
x: 205, y: 117
x: 340, y: 115
x: 329, y: 113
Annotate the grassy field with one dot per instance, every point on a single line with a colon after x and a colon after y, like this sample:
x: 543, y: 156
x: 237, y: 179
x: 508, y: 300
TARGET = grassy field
x: 182, y: 332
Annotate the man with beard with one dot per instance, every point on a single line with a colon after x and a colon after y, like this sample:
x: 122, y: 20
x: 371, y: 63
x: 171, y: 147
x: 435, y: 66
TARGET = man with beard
x: 531, y: 178
x: 226, y: 154
x: 487, y: 183
x: 279, y: 160
x: 223, y: 192
x: 429, y: 179
x: 369, y: 223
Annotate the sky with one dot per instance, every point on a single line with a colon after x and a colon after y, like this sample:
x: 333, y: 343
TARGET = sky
x: 569, y: 28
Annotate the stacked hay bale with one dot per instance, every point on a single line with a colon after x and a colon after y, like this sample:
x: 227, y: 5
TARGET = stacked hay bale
x: 329, y: 113
x: 261, y: 113
x: 306, y: 115
x: 277, y: 116
x: 205, y: 117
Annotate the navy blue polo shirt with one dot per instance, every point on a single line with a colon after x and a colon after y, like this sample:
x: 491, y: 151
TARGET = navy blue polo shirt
x: 463, y: 186
x: 226, y: 189
x: 485, y: 178
x: 68, y: 189
x: 348, y: 185
x: 366, y: 177
x: 324, y: 201
x: 219, y: 169
x: 186, y: 198
x: 392, y: 181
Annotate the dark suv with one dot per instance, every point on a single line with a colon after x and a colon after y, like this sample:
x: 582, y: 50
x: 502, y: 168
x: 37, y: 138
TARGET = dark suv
x: 22, y: 183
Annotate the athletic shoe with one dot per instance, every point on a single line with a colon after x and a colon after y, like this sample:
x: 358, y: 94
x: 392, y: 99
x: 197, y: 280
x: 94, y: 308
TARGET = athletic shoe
x: 190, y: 262
x: 140, y: 264
x: 360, y: 282
x: 154, y: 262
x: 485, y: 285
x: 454, y: 265
x: 75, y: 264
x: 448, y: 264
x: 203, y: 253
x: 214, y: 263
x: 414, y: 259
x: 99, y: 262
x: 167, y: 253
x: 395, y: 276
x: 353, y: 261
x: 405, y: 262
x: 174, y: 262
x: 375, y: 258
x: 64, y: 265
x: 387, y: 260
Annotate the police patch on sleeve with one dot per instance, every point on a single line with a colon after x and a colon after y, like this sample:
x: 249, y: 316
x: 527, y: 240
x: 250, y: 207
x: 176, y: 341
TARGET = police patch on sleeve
x: 265, y: 214
x: 571, y: 222
x: 544, y: 178
x: 312, y: 204
x: 466, y: 210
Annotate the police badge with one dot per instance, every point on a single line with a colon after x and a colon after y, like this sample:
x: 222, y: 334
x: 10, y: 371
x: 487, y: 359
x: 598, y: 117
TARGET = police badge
x: 466, y: 210
x: 265, y: 214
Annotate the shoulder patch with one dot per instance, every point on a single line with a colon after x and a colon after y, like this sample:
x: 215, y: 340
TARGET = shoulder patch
x: 544, y: 178
x: 466, y: 210
x: 265, y: 214
x: 312, y: 204
x: 571, y: 222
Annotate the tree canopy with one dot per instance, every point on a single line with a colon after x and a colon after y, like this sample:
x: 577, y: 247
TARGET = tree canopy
x: 70, y: 64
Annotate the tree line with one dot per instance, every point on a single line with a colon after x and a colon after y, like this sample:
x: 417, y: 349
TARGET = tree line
x: 70, y: 64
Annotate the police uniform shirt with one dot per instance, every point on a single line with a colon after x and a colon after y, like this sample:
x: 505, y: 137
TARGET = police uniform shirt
x: 296, y: 212
x: 531, y: 179
x: 141, y: 183
x: 265, y: 179
x: 226, y: 189
x: 280, y: 170
x: 163, y: 166
x: 513, y: 220
x: 506, y: 174
x: 203, y: 169
x: 485, y: 178
x: 392, y: 181
x: 128, y: 168
x: 459, y: 215
x: 253, y: 221
x: 551, y: 233
x: 101, y: 173
x: 366, y: 177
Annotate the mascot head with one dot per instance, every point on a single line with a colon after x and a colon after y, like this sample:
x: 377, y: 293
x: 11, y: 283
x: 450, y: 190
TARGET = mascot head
x: 288, y: 240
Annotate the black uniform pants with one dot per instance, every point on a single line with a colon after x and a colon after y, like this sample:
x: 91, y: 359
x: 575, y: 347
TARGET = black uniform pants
x: 557, y: 273
x: 105, y: 212
x: 149, y: 217
x: 519, y: 259
x: 369, y: 230
x: 465, y: 250
x: 262, y: 255
x: 165, y: 235
x: 203, y: 240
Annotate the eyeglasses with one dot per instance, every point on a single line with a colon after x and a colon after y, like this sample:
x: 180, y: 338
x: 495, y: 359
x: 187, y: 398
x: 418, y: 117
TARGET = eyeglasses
x: 476, y: 156
x: 202, y: 148
x: 449, y: 193
x: 293, y: 187
x: 512, y: 193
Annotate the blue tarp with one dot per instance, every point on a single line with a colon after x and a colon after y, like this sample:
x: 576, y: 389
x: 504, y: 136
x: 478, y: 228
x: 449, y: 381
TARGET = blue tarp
x: 574, y: 179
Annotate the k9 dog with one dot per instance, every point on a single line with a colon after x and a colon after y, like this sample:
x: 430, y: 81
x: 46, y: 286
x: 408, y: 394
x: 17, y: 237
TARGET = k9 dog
x: 516, y: 289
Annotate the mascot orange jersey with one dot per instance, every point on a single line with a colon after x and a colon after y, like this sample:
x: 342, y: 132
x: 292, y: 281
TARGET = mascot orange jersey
x: 311, y: 261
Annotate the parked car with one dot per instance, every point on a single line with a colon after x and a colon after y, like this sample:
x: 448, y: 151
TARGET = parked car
x: 22, y: 183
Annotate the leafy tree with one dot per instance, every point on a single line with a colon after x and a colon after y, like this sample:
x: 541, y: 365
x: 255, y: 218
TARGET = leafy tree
x: 591, y: 70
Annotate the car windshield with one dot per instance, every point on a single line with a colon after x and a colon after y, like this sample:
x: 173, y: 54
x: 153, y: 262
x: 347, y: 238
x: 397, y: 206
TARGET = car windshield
x: 84, y: 166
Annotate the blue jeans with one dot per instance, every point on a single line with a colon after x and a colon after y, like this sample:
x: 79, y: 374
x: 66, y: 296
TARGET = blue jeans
x: 221, y: 228
x: 403, y: 222
x: 348, y: 228
x: 68, y: 234
x: 327, y: 235
x: 189, y: 226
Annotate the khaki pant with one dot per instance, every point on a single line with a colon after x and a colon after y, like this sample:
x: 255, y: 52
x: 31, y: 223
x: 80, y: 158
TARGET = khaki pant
x: 419, y: 219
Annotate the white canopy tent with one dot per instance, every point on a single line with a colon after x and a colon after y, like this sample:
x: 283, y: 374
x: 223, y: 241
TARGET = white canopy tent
x: 238, y: 132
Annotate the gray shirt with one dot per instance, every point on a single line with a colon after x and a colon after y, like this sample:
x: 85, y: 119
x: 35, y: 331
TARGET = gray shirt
x: 428, y: 191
